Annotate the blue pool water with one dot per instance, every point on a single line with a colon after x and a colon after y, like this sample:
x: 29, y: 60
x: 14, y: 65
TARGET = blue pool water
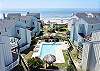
x: 48, y: 49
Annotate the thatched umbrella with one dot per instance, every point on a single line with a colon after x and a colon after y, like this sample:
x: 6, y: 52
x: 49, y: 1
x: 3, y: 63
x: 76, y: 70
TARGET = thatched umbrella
x: 49, y: 59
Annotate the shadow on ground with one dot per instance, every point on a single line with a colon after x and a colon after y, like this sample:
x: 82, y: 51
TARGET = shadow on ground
x: 28, y: 50
x: 53, y: 67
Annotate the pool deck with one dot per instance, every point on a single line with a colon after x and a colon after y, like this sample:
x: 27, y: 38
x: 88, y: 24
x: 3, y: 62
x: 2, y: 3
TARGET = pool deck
x: 59, y: 56
x: 58, y: 51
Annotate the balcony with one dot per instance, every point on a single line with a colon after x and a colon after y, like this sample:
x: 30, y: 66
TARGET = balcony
x: 24, y: 46
x: 30, y: 28
x: 14, y: 63
x: 82, y: 34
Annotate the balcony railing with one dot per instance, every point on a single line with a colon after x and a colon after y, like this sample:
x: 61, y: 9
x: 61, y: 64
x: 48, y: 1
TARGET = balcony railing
x: 87, y: 38
x: 12, y: 65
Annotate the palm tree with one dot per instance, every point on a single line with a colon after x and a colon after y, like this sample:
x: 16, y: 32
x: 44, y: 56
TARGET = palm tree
x: 70, y: 67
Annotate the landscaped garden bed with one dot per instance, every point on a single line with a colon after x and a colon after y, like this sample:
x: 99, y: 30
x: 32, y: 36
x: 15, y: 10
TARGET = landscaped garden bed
x: 63, y: 65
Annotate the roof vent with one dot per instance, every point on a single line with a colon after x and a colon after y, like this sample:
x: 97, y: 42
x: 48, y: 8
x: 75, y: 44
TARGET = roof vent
x: 27, y: 12
x: 90, y: 15
x: 4, y: 16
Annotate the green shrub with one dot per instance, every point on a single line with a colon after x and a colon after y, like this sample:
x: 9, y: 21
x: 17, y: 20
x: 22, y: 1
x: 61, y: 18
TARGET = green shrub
x: 35, y: 63
x: 51, y: 30
x: 62, y: 30
x: 34, y: 41
x: 70, y: 67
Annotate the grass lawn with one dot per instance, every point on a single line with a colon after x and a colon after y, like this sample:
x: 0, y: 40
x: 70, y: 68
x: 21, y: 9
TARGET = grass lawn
x: 63, y: 65
x: 74, y: 54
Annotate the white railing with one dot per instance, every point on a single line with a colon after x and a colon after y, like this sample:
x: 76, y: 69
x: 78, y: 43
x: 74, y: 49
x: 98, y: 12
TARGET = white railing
x: 12, y: 65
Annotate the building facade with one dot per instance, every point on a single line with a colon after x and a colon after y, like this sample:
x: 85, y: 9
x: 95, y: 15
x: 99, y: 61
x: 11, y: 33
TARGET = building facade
x: 22, y: 27
x: 83, y: 26
x: 91, y: 44
x: 85, y: 32
x: 91, y: 56
x: 16, y: 32
x: 8, y: 53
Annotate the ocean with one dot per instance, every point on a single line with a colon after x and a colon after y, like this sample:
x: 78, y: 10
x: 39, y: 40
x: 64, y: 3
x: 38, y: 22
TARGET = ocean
x: 48, y: 13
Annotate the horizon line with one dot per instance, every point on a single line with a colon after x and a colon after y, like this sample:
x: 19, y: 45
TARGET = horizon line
x: 50, y: 8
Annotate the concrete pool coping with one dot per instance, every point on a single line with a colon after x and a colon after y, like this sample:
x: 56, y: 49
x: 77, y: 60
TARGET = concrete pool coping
x: 59, y: 54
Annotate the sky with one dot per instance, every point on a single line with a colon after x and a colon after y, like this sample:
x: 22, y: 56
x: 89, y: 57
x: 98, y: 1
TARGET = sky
x: 49, y: 4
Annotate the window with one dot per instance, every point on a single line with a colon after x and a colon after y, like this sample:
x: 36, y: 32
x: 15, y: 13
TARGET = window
x: 19, y: 19
x: 91, y: 35
x: 14, y: 40
x: 33, y: 23
x: 0, y: 33
x: 92, y: 26
x: 5, y: 30
x: 18, y: 31
x: 25, y: 21
x: 11, y: 40
x: 35, y: 34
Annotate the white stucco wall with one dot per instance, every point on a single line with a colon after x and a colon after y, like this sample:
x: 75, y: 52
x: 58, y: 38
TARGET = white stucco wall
x: 72, y: 31
x: 91, y: 56
x: 95, y: 35
x: 77, y: 38
x: 23, y: 36
x: 85, y: 52
x: 76, y: 29
x: 97, y: 55
x: 2, y: 63
x: 70, y: 25
x: 28, y: 36
x: 6, y: 50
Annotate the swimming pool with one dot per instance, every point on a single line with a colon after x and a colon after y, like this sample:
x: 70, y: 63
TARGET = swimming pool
x: 52, y: 48
x: 48, y: 49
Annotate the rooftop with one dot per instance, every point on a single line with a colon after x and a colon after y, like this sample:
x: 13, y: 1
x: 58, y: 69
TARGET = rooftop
x: 25, y: 17
x: 89, y: 18
x: 4, y: 23
x: 96, y: 14
x: 14, y: 14
x: 37, y: 15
